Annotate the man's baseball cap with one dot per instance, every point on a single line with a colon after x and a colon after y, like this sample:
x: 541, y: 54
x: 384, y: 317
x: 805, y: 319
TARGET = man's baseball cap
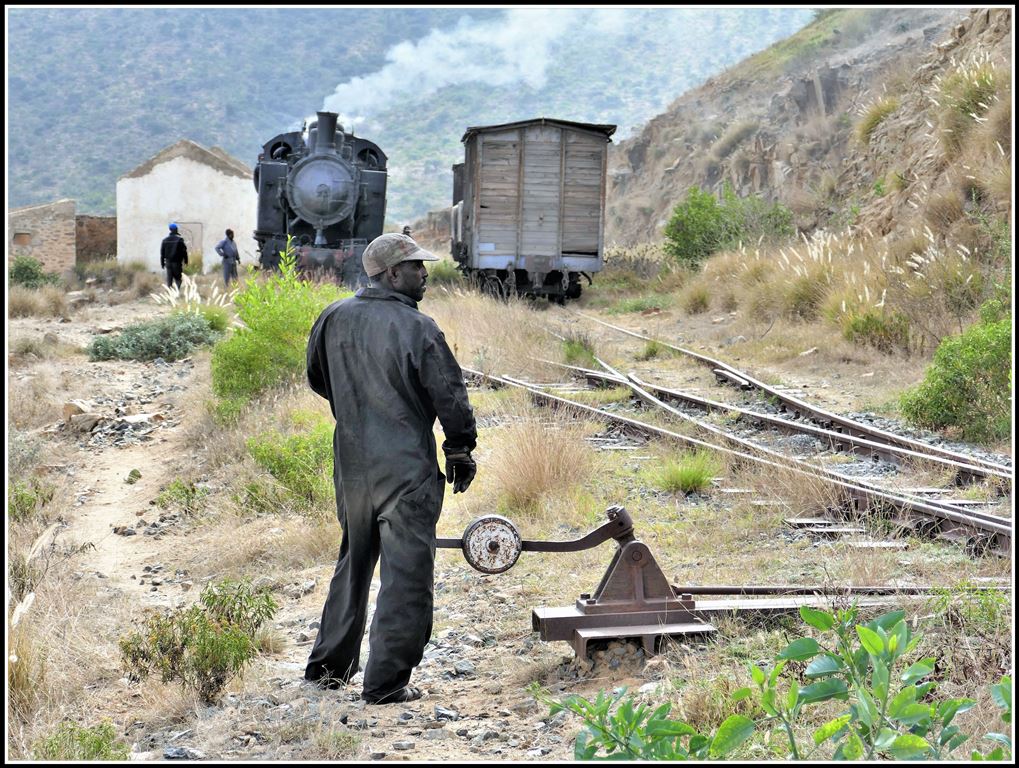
x: 173, y: 226
x: 388, y: 250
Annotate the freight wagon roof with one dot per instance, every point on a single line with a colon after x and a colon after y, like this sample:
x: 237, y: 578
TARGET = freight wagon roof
x: 608, y: 130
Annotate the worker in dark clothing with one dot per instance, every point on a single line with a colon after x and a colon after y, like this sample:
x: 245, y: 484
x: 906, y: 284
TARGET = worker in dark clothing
x: 387, y: 372
x: 173, y: 255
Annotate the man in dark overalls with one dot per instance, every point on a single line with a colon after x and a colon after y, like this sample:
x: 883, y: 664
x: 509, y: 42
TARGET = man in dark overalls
x: 387, y: 372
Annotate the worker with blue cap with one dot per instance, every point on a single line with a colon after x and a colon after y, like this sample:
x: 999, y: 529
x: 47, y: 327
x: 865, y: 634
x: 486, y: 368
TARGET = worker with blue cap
x: 173, y: 256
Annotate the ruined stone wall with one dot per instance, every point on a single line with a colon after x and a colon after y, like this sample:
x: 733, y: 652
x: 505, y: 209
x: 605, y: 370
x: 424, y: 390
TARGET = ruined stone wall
x: 45, y: 233
x: 96, y: 238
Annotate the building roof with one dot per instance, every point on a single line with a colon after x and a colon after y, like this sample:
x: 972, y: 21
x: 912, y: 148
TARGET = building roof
x: 215, y: 157
x: 608, y: 130
x: 26, y: 208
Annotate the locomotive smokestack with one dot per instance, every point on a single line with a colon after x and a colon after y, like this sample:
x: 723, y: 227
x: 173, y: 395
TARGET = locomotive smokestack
x: 325, y: 141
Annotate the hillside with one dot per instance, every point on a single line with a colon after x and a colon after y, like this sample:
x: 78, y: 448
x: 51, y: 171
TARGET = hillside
x: 125, y: 83
x: 785, y: 124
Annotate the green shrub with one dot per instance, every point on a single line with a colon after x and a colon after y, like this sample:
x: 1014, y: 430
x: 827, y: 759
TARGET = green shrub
x: 270, y: 349
x: 186, y: 497
x: 216, y: 316
x: 578, y: 349
x: 194, y: 265
x: 701, y: 225
x: 696, y: 228
x: 444, y: 272
x: 870, y: 327
x: 693, y: 472
x: 74, y: 742
x: 696, y: 299
x: 302, y: 463
x: 652, y: 349
x: 968, y: 384
x: 28, y: 272
x: 204, y: 645
x: 889, y: 708
x: 170, y: 338
x: 872, y: 118
x: 639, y: 304
x: 25, y: 498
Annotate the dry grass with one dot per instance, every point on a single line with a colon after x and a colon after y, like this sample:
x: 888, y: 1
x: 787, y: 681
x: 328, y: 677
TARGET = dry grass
x: 537, y: 459
x: 965, y: 94
x: 734, y: 135
x: 48, y: 301
x: 492, y: 336
x: 28, y: 349
x: 695, y: 299
x: 65, y: 643
x: 943, y: 210
x: 872, y: 115
x: 31, y: 401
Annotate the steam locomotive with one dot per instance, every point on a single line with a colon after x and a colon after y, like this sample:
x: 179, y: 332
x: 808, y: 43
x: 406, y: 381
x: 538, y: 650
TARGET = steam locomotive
x: 327, y: 189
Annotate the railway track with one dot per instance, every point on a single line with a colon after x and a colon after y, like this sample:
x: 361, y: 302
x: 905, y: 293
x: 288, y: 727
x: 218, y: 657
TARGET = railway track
x: 836, y: 442
x: 969, y: 468
x: 978, y: 532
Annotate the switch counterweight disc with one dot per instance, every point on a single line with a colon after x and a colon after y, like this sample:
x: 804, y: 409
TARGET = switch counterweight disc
x: 491, y: 544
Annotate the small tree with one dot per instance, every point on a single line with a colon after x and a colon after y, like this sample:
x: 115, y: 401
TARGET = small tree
x: 693, y: 233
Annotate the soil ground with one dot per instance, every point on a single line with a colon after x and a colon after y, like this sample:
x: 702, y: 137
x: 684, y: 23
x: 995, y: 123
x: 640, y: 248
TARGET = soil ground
x: 482, y: 655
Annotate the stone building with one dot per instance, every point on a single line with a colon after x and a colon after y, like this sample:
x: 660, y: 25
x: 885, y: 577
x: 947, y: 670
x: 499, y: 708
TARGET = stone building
x: 206, y: 191
x: 55, y: 236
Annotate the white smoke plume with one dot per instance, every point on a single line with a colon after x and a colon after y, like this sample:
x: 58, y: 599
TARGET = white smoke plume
x: 515, y: 48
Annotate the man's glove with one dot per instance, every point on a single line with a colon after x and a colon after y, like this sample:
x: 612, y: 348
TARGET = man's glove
x: 460, y: 469
x: 162, y: 263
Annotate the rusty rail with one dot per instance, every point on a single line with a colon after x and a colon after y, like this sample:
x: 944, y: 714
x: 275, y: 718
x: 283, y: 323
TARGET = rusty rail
x: 976, y: 467
x: 979, y: 532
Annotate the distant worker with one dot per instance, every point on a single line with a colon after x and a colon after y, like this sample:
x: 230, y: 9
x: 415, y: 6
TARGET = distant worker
x: 406, y: 231
x: 173, y: 255
x: 227, y: 250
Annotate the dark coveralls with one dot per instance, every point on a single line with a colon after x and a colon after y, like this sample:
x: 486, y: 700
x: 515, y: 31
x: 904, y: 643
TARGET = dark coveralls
x: 173, y: 255
x: 227, y: 250
x: 387, y: 372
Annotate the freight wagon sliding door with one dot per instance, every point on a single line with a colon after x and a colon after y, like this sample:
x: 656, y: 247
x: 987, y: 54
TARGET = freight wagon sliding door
x: 543, y: 158
x: 498, y: 196
x: 582, y: 194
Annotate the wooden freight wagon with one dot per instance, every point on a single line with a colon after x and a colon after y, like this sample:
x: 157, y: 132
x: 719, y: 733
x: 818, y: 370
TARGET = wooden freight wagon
x: 529, y: 206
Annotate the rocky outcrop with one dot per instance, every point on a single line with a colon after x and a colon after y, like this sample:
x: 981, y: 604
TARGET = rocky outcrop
x: 805, y: 96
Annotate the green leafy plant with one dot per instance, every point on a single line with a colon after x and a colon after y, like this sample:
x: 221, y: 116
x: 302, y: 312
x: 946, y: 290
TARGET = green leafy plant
x: 617, y: 730
x: 269, y: 349
x: 76, y: 742
x: 890, y: 712
x: 1002, y: 695
x: 28, y: 272
x: 968, y: 383
x: 187, y: 497
x: 26, y: 498
x: 692, y: 472
x: 170, y: 338
x: 702, y: 225
x: 302, y: 462
x: 203, y: 646
x: 890, y: 709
